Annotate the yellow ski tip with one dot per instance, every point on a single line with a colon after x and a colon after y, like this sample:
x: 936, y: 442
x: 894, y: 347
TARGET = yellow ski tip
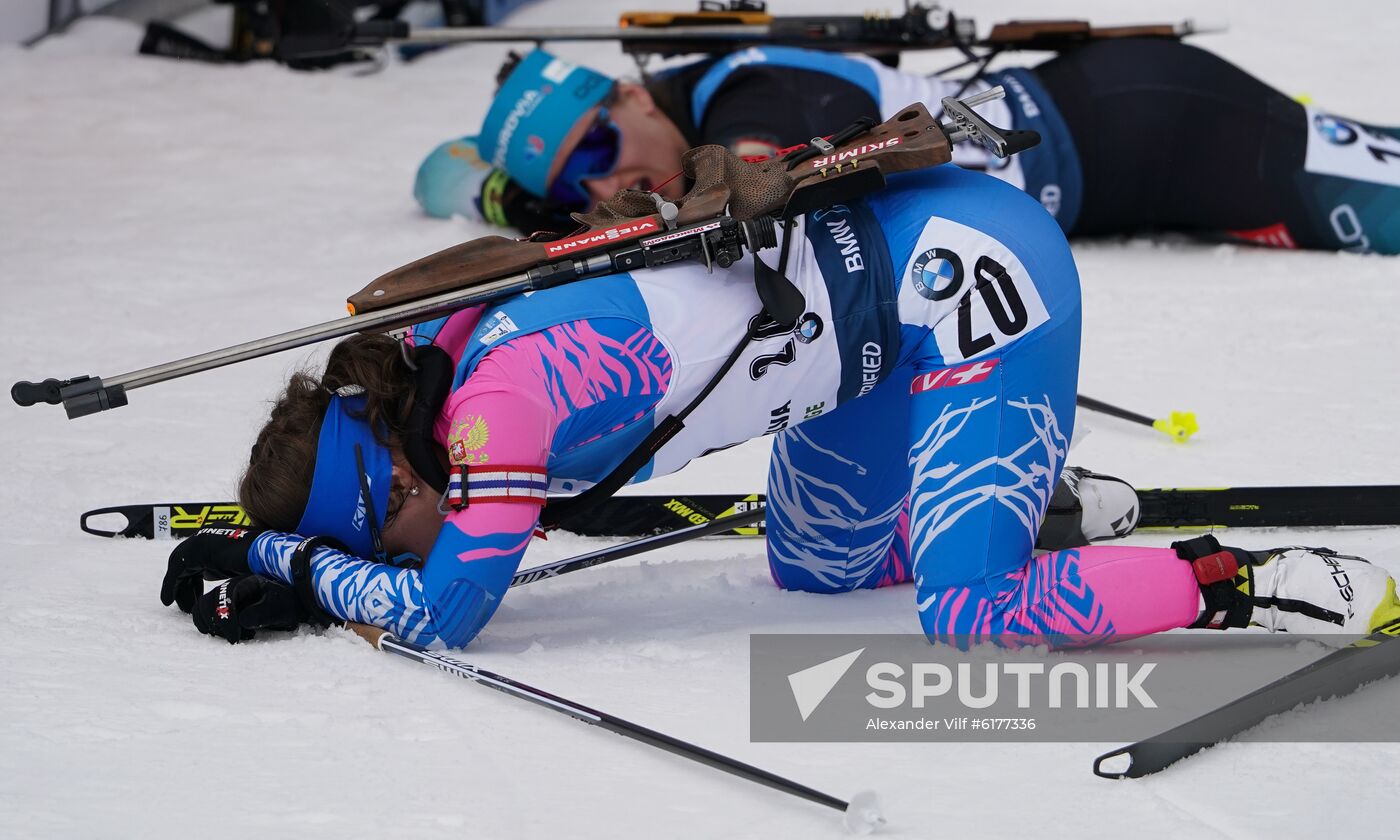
x: 1179, y: 427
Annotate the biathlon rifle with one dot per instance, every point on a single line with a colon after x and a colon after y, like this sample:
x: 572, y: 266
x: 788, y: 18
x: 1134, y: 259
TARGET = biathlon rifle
x: 734, y: 206
x: 721, y: 27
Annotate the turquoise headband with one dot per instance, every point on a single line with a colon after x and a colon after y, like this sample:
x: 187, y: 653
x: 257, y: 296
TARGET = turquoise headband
x: 540, y: 102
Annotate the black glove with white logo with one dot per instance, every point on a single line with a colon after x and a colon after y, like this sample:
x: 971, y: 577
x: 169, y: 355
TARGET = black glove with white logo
x: 237, y: 608
x: 210, y: 554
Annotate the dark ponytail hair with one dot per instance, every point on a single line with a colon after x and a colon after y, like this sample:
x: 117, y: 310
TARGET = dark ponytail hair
x: 275, y: 487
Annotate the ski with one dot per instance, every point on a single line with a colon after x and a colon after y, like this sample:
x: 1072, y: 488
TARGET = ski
x: 620, y: 516
x: 1337, y: 674
x: 636, y: 515
x: 1209, y: 507
x: 632, y: 516
x: 163, y: 521
x: 1261, y: 507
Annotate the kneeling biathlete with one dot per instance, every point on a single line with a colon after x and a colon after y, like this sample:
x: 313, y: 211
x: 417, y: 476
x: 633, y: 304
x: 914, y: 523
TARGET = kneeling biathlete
x: 923, y: 406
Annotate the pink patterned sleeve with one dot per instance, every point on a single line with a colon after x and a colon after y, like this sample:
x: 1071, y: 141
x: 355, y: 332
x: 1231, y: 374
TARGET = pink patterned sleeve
x: 498, y: 428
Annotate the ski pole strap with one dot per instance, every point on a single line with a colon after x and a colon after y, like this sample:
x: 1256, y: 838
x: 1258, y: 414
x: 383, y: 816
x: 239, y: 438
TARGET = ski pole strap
x: 301, y: 580
x: 1216, y: 569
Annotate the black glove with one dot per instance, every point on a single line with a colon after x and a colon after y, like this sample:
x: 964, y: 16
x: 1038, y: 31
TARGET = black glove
x: 504, y: 201
x: 240, y: 606
x: 210, y: 554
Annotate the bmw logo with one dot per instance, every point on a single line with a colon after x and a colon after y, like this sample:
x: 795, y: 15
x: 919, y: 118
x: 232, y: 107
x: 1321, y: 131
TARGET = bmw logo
x: 1334, y: 130
x: 937, y: 274
x: 809, y: 328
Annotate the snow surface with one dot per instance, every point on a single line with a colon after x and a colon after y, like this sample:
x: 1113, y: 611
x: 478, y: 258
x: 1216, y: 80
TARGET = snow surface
x: 152, y: 210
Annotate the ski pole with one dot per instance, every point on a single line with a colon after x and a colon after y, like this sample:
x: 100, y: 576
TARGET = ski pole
x: 861, y: 813
x: 1179, y: 426
x: 631, y: 547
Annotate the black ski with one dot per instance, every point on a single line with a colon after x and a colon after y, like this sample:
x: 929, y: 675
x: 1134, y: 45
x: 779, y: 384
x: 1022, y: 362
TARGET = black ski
x: 619, y: 516
x: 1338, y: 673
x: 163, y: 521
x: 636, y: 515
x: 1255, y: 507
x: 631, y: 516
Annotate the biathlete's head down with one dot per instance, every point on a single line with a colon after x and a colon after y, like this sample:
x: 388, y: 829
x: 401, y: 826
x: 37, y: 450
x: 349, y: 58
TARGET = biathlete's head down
x: 331, y: 460
x: 568, y: 137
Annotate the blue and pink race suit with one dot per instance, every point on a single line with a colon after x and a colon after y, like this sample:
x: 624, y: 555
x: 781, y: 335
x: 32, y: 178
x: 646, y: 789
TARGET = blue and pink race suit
x: 922, y: 408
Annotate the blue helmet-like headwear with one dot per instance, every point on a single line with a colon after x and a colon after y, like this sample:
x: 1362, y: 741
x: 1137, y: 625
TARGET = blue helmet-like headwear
x: 540, y: 102
x: 450, y: 180
x: 350, y: 487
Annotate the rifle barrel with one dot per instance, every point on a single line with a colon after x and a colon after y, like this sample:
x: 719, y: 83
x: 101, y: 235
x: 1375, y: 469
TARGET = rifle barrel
x: 388, y: 318
x: 489, y: 34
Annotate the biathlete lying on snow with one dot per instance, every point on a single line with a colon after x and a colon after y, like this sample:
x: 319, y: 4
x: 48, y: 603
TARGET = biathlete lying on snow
x: 923, y: 406
x: 1137, y: 135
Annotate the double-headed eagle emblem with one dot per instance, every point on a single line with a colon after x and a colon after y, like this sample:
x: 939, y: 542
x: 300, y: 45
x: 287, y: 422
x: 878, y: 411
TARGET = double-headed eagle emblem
x: 466, y: 438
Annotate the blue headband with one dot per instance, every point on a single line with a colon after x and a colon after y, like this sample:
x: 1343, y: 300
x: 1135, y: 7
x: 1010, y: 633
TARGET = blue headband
x: 538, y: 105
x: 336, y: 507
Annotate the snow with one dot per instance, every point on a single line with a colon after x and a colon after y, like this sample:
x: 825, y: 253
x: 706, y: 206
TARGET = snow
x: 153, y: 210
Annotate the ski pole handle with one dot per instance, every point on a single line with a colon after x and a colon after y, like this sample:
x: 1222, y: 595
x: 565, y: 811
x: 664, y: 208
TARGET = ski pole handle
x: 371, y: 634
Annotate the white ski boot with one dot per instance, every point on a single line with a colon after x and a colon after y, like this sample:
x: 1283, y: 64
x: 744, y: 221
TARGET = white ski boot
x: 1088, y: 507
x: 1294, y: 589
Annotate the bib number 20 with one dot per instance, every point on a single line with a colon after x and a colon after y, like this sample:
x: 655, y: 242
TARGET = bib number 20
x: 996, y: 292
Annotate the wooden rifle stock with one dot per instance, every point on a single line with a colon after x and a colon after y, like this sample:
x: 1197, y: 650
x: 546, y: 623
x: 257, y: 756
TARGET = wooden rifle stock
x: 1053, y: 35
x: 662, y: 20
